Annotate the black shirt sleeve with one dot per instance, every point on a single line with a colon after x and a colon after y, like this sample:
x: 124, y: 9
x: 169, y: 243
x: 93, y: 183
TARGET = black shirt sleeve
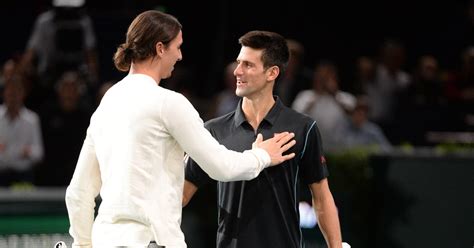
x: 194, y: 173
x: 313, y: 163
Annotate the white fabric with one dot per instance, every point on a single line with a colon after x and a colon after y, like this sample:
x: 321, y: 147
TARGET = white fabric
x: 326, y: 110
x: 383, y: 92
x: 133, y: 153
x: 15, y: 135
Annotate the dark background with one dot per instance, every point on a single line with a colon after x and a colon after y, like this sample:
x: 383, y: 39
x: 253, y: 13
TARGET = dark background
x: 336, y: 30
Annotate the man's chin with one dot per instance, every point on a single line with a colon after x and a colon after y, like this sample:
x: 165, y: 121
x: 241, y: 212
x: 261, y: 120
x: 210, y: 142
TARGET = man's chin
x: 240, y: 93
x: 167, y: 76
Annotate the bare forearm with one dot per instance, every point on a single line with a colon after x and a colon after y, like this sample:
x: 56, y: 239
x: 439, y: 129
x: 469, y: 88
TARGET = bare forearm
x: 329, y: 223
x: 326, y: 211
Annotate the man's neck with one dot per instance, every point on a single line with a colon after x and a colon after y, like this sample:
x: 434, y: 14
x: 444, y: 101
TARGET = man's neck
x: 255, y: 109
x: 146, y: 67
x: 13, y: 114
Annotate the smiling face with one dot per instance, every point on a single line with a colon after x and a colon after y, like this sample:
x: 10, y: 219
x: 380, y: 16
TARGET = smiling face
x: 171, y: 54
x: 252, y: 78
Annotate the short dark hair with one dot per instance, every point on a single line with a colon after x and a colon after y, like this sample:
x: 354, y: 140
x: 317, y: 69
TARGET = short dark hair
x: 147, y: 29
x: 274, y: 46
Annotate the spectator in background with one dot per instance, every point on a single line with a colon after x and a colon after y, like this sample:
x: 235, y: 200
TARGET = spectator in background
x: 421, y: 104
x: 10, y: 68
x: 460, y: 85
x: 62, y: 39
x: 459, y: 88
x: 21, y: 144
x: 364, y: 75
x: 325, y: 103
x: 390, y: 81
x: 359, y: 132
x: 426, y: 88
x: 227, y: 100
x: 65, y: 121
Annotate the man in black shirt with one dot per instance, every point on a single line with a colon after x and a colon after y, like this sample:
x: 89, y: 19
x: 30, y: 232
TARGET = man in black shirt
x: 263, y: 212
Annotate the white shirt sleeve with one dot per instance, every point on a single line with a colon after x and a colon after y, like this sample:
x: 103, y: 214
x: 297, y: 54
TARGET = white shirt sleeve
x: 81, y: 193
x: 185, y: 125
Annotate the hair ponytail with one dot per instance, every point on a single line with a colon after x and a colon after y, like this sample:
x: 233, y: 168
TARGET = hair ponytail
x: 123, y: 58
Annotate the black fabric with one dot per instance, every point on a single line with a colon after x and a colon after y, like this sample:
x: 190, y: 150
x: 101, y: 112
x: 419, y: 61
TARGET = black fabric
x: 263, y: 212
x: 153, y: 244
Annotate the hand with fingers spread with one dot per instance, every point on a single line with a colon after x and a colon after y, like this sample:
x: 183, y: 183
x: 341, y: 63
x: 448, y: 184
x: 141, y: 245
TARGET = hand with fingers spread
x: 276, y: 146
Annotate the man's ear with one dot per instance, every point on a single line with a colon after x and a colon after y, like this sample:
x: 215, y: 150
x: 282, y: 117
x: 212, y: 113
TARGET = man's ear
x: 272, y: 73
x: 159, y: 48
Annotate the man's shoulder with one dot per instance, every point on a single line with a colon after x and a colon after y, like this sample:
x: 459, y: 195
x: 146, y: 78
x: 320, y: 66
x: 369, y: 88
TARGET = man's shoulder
x: 292, y: 120
x: 295, y: 116
x: 29, y: 115
x: 220, y: 121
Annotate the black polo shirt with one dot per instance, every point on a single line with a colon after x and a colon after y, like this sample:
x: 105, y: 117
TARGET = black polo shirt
x: 263, y: 212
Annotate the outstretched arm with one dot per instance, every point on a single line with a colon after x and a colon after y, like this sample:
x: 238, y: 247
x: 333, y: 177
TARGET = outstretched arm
x: 326, y: 211
x: 187, y: 128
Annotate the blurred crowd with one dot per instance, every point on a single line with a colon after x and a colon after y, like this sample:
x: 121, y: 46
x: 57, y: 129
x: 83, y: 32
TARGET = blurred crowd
x: 50, y: 91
